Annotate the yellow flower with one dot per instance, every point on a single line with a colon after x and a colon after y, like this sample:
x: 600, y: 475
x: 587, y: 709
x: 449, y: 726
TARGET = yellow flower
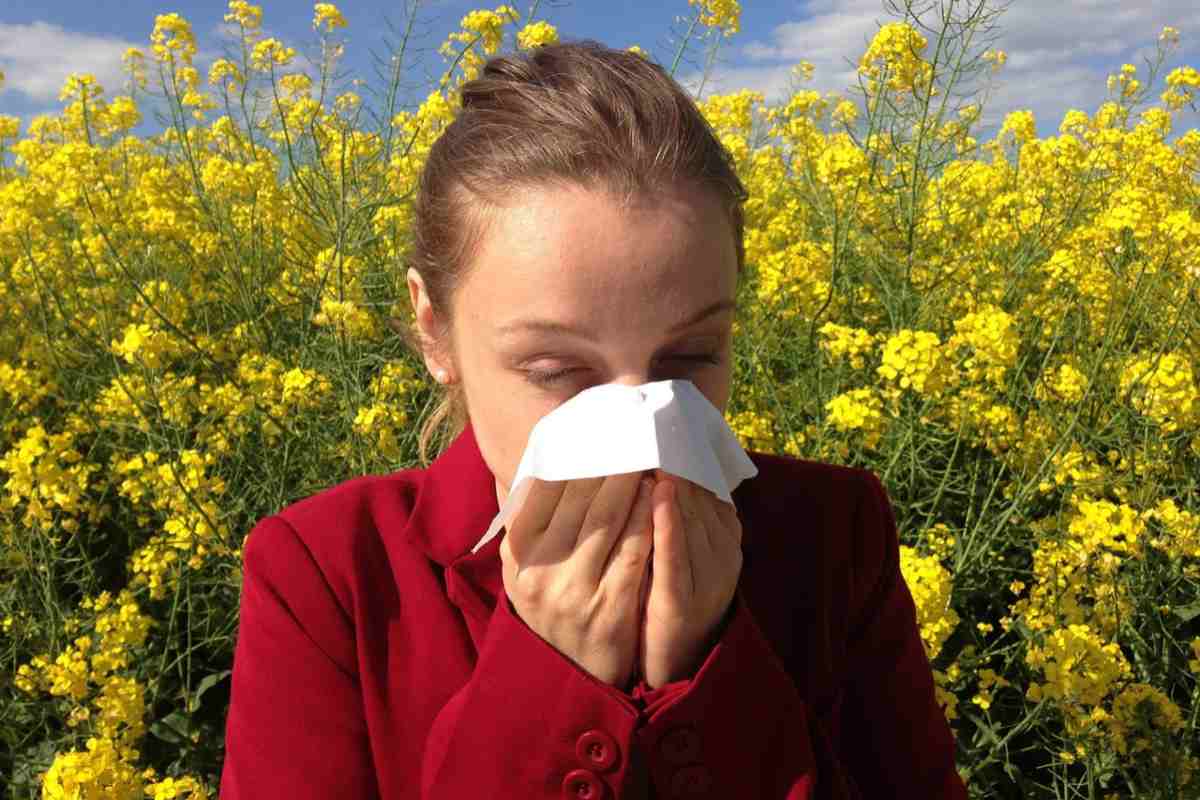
x: 1163, y: 389
x: 895, y: 54
x: 222, y: 70
x: 244, y: 14
x: 1021, y: 124
x: 858, y: 409
x: 724, y: 14
x: 931, y: 586
x: 270, y: 53
x: 997, y: 58
x: 173, y: 37
x: 841, y: 342
x: 328, y: 16
x: 913, y: 359
x: 536, y: 34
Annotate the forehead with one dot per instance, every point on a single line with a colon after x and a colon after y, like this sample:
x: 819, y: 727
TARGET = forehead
x: 577, y: 253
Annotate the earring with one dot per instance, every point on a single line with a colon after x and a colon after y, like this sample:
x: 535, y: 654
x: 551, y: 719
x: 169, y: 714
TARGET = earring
x: 441, y: 376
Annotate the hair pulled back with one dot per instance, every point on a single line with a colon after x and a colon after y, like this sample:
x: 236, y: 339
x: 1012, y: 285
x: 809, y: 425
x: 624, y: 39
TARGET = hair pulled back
x: 569, y: 113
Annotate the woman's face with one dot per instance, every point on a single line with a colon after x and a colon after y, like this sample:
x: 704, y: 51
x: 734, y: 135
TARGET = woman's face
x: 642, y: 294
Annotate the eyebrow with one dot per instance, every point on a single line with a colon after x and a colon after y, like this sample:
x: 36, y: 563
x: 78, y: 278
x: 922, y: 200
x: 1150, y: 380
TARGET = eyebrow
x: 550, y: 326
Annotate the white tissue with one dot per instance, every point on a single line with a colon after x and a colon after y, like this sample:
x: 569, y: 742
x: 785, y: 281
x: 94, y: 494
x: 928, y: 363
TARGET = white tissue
x: 614, y: 428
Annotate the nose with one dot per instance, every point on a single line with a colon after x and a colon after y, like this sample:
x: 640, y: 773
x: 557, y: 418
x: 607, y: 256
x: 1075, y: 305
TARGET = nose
x: 635, y: 378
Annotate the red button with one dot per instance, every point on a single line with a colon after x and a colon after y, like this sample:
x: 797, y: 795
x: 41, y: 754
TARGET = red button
x: 597, y: 749
x: 691, y: 781
x: 680, y: 746
x: 582, y: 783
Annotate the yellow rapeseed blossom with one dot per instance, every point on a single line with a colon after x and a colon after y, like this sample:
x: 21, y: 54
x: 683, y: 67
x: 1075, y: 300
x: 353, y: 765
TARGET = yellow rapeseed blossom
x: 224, y: 70
x: 270, y: 53
x: 536, y: 34
x: 1124, y: 83
x: 10, y: 127
x: 478, y: 27
x: 844, y: 343
x: 989, y: 680
x: 144, y: 344
x: 895, y: 55
x: 1079, y: 667
x: 99, y: 771
x: 913, y: 360
x: 731, y: 117
x: 931, y: 586
x: 1180, y: 528
x: 1065, y: 383
x: 754, y: 430
x: 49, y: 477
x: 244, y: 14
x: 327, y: 16
x: 858, y: 410
x: 991, y: 334
x: 1138, y: 711
x: 1021, y: 124
x: 723, y: 14
x: 1182, y: 84
x: 1163, y: 389
x: 173, y: 39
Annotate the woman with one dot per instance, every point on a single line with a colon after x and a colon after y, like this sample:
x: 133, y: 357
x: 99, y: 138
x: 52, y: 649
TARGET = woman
x: 580, y: 224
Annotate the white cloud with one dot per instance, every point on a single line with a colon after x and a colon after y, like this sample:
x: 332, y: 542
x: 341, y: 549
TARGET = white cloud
x: 37, y: 58
x: 1059, y: 53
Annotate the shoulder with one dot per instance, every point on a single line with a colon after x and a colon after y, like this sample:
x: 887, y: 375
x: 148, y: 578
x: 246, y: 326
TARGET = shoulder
x: 372, y: 503
x: 820, y: 520
x: 789, y: 486
x: 340, y: 531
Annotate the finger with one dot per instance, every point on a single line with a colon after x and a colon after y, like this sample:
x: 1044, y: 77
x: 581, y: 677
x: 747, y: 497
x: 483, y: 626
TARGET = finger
x: 603, y: 523
x: 672, y: 562
x: 728, y: 514
x: 699, y: 538
x: 625, y: 568
x: 526, y: 528
x: 562, y: 533
x: 722, y: 543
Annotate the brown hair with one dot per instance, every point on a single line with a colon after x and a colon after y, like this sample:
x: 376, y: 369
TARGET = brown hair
x: 568, y: 113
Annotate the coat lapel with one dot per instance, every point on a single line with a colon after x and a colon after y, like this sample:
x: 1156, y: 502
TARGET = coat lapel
x: 455, y: 504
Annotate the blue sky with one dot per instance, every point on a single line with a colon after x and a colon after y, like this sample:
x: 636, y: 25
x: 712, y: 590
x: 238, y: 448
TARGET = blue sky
x: 1059, y: 50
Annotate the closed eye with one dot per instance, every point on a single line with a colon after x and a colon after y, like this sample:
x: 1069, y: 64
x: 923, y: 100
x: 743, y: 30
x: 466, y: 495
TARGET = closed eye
x: 547, y: 378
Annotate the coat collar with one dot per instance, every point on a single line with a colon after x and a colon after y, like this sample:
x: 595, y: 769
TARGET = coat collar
x: 456, y: 501
x: 455, y: 504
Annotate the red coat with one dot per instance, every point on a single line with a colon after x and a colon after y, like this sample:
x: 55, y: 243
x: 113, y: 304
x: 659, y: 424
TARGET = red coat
x: 374, y: 661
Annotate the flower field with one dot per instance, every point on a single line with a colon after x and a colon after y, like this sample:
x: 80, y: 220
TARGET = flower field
x: 199, y: 327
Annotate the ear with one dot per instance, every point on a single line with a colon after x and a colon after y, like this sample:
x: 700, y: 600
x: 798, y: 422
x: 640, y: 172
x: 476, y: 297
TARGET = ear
x: 427, y: 323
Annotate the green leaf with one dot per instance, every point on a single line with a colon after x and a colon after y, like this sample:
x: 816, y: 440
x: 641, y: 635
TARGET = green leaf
x: 1187, y: 613
x: 172, y: 728
x: 206, y: 683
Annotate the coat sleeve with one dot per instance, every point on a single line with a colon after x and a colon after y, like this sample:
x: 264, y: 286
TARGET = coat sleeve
x: 739, y: 727
x: 531, y: 723
x: 295, y: 726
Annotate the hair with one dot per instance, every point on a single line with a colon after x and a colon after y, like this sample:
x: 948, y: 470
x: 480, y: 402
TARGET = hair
x: 563, y: 114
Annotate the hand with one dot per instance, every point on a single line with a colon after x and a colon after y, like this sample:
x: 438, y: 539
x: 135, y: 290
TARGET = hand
x: 573, y: 561
x: 696, y: 561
